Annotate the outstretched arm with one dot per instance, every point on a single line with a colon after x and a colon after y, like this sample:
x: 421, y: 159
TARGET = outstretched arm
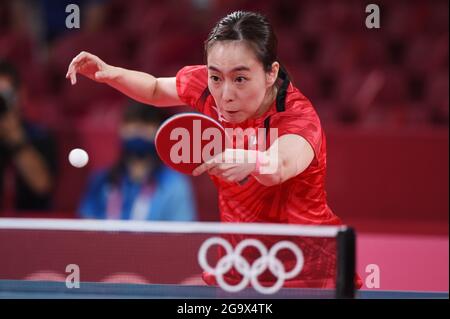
x: 140, y: 86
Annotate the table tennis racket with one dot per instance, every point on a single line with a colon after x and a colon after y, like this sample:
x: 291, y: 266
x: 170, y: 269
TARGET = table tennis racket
x: 186, y: 140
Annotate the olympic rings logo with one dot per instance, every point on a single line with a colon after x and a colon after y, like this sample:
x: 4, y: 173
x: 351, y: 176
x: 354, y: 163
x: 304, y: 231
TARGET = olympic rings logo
x: 250, y: 273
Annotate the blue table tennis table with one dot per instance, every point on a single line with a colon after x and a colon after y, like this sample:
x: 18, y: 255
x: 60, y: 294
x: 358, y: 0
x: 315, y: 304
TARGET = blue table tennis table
x: 21, y: 289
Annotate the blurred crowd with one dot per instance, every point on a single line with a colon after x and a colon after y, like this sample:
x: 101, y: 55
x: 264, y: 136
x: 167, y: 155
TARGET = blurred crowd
x: 395, y: 76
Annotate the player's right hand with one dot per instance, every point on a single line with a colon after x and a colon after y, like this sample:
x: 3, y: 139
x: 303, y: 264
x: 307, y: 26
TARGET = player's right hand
x: 91, y: 66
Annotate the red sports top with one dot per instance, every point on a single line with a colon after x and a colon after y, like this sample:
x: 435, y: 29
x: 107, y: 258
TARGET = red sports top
x: 301, y: 199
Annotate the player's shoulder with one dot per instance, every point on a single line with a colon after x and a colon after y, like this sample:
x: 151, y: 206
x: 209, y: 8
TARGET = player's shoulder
x: 190, y: 71
x: 296, y: 104
x: 296, y: 100
x: 298, y: 110
x: 192, y: 83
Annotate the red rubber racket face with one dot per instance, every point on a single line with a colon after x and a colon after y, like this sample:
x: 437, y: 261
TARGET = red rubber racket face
x: 186, y: 140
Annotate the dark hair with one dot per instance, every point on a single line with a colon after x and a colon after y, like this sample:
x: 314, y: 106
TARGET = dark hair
x: 9, y: 70
x: 256, y: 30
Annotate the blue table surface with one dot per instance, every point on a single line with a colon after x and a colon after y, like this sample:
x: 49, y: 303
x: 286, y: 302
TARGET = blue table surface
x: 21, y: 289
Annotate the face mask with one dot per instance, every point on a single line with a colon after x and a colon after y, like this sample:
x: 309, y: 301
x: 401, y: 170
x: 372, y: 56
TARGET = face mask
x: 138, y: 147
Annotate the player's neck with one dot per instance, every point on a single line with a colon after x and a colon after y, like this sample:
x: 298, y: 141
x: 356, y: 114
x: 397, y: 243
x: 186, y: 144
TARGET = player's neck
x: 267, y: 102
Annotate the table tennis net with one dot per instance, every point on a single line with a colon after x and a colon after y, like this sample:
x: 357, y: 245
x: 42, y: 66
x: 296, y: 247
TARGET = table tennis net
x: 170, y: 253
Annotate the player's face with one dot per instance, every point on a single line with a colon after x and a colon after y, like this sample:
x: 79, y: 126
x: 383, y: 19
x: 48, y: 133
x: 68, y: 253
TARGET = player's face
x: 237, y: 81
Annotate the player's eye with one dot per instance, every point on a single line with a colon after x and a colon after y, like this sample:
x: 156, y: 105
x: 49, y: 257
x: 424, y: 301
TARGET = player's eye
x: 241, y: 79
x: 214, y: 78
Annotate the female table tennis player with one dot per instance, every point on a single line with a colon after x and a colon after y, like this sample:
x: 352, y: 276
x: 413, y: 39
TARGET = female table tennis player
x: 243, y: 85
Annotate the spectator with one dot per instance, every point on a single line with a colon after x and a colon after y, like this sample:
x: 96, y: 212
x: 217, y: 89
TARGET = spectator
x: 138, y: 186
x: 27, y: 152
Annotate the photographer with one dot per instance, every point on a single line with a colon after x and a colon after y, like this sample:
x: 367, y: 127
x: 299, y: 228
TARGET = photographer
x: 27, y: 152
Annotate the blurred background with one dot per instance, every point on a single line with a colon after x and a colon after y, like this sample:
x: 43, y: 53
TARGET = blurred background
x: 382, y: 95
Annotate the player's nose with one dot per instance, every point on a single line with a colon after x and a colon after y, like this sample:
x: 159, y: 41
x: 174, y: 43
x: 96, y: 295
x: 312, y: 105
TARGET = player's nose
x: 227, y: 93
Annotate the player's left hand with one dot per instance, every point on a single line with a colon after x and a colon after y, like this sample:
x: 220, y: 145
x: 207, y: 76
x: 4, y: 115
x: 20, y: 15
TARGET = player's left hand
x: 226, y: 166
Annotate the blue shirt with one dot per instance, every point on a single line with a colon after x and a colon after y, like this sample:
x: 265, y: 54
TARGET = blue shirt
x: 171, y: 198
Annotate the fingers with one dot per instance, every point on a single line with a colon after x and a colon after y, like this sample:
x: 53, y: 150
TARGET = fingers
x: 75, y: 65
x: 226, y: 173
x: 224, y: 170
x: 217, y: 165
x: 208, y: 165
x: 73, y: 77
x: 200, y: 169
x: 72, y: 71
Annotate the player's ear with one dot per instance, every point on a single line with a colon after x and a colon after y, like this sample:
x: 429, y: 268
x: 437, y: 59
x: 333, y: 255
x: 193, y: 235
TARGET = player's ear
x: 272, y: 75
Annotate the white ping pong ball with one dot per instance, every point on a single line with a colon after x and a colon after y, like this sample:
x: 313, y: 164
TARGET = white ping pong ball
x: 78, y: 157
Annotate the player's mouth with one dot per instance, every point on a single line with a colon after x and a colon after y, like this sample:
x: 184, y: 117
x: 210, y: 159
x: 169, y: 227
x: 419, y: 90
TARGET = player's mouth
x: 231, y: 116
x: 231, y: 112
